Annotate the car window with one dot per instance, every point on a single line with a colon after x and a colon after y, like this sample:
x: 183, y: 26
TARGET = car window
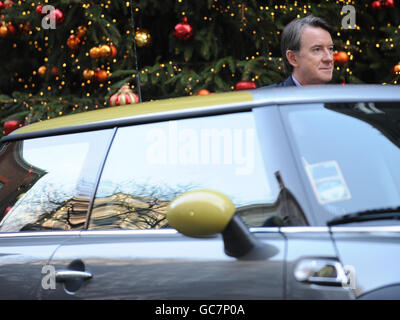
x: 48, y: 182
x: 149, y: 165
x: 349, y: 154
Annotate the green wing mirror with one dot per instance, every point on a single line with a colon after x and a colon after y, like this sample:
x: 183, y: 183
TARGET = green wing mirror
x: 200, y: 213
x: 207, y: 212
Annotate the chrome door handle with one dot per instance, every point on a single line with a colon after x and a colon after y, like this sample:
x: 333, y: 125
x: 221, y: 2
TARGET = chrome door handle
x: 67, y: 275
x: 321, y: 271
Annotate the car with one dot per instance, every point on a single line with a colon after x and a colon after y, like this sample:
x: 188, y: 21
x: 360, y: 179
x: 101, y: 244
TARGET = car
x: 272, y: 193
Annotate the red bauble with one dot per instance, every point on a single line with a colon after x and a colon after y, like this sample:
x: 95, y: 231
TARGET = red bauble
x: 1, y: 5
x: 54, y: 71
x: 7, y: 210
x: 10, y: 126
x: 8, y: 3
x: 113, y: 51
x: 183, y: 30
x: 388, y: 4
x: 341, y: 57
x: 101, y: 75
x: 245, y: 85
x: 11, y: 30
x: 376, y: 5
x: 123, y: 96
x: 39, y: 10
x: 58, y: 15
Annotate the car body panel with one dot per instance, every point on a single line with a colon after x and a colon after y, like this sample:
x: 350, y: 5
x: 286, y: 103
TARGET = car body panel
x: 374, y: 254
x: 310, y: 243
x: 326, y: 93
x: 22, y: 258
x: 164, y: 264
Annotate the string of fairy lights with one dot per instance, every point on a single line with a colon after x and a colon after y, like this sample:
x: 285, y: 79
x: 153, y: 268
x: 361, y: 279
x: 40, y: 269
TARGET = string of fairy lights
x: 237, y: 10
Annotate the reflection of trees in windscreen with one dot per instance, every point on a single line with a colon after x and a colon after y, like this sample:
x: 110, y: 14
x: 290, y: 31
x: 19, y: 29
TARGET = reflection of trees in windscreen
x: 133, y: 206
x: 48, y: 207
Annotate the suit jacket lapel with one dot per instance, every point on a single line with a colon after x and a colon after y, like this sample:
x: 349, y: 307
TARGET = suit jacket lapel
x: 289, y: 82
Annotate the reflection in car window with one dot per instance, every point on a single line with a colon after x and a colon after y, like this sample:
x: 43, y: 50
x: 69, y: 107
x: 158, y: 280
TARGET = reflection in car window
x: 149, y: 165
x: 48, y: 182
x: 350, y: 154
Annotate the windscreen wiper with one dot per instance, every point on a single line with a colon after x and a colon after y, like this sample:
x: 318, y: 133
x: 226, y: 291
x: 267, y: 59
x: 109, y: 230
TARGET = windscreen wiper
x: 367, y: 215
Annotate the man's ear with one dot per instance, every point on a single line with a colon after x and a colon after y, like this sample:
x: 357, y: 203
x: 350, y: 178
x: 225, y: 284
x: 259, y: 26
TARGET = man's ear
x: 292, y: 58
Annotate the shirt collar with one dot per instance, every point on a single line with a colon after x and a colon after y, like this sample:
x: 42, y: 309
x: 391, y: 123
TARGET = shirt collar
x: 297, y: 83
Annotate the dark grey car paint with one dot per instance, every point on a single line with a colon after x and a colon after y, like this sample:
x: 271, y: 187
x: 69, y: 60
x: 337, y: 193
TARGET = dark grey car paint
x: 305, y: 243
x: 167, y: 265
x: 22, y: 257
x: 373, y: 252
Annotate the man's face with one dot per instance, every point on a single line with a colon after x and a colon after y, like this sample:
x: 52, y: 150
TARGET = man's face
x: 313, y: 64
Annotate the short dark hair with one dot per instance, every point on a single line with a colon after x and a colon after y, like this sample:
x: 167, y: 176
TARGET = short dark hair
x: 291, y: 35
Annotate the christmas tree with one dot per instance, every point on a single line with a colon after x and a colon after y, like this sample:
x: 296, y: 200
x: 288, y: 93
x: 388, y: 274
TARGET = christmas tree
x: 67, y: 56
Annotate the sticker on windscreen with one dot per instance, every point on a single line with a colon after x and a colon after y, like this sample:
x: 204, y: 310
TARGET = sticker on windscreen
x: 328, y: 182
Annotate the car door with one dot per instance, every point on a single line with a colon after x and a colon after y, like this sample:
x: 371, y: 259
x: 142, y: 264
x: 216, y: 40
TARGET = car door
x: 162, y: 264
x: 347, y: 155
x: 310, y: 252
x: 47, y: 184
x: 24, y: 261
x: 129, y: 250
x: 314, y: 269
x: 372, y: 254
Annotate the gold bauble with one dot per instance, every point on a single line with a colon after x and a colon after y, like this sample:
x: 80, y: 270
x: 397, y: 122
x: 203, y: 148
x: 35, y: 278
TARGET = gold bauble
x: 88, y: 74
x: 73, y: 42
x: 42, y: 70
x: 82, y: 30
x: 94, y: 53
x: 105, y: 51
x: 3, y: 31
x: 142, y: 38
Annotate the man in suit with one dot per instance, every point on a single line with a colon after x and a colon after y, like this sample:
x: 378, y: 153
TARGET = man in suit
x: 307, y: 51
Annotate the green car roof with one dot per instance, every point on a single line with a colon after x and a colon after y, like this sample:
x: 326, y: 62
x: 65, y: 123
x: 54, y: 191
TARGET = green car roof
x: 128, y: 111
